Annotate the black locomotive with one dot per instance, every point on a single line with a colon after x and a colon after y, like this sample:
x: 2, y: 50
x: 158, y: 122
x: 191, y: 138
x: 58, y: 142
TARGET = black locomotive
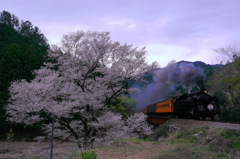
x: 196, y: 106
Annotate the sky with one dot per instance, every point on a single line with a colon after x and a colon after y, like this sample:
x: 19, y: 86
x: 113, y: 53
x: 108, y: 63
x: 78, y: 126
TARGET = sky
x: 177, y: 30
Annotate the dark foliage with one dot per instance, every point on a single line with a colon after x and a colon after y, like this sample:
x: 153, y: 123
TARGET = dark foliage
x: 22, y: 49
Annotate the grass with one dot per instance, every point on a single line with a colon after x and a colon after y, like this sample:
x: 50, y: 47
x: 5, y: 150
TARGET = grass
x: 185, y: 152
x: 191, y: 135
x: 194, y: 142
x: 188, y: 143
x: 134, y: 140
x: 24, y: 158
x: 227, y: 141
x: 204, y: 143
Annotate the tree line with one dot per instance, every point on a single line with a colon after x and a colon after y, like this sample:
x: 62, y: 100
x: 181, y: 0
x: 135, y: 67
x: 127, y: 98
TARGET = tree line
x: 23, y: 48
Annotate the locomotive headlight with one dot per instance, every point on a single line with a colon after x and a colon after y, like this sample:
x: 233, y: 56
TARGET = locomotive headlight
x: 210, y: 107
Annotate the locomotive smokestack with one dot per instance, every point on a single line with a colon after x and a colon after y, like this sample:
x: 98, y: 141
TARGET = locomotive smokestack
x: 166, y: 80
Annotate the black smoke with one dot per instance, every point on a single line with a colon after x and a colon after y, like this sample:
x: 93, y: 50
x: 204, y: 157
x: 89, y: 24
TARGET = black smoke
x: 166, y: 80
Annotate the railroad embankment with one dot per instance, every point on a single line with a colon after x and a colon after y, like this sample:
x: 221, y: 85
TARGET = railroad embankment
x: 186, y: 123
x: 176, y: 139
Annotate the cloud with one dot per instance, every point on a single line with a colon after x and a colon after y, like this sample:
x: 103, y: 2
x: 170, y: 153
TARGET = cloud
x: 165, y: 53
x: 55, y: 32
x: 179, y: 29
x: 113, y: 23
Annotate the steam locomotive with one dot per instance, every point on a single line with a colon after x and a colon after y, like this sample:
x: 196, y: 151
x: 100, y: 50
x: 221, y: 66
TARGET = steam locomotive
x: 199, y: 105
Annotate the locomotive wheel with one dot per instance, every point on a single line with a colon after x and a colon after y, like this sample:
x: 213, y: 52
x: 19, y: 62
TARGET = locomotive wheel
x: 196, y: 117
x: 193, y: 114
x: 203, y: 117
x: 180, y: 115
x: 212, y: 117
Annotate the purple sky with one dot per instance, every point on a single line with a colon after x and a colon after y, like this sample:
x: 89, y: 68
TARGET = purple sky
x: 170, y: 29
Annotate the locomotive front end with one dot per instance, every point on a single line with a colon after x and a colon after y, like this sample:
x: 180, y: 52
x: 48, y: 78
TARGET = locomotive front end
x: 207, y: 106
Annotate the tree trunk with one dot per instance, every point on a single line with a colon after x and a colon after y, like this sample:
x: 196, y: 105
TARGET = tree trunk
x: 85, y: 144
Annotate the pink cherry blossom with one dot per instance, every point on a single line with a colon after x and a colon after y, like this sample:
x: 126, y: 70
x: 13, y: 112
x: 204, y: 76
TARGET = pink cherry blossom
x: 74, y: 88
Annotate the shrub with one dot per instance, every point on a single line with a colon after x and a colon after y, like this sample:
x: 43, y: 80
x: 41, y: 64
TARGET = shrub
x: 161, y: 131
x: 88, y: 155
x: 85, y: 155
x: 10, y: 135
x: 230, y: 115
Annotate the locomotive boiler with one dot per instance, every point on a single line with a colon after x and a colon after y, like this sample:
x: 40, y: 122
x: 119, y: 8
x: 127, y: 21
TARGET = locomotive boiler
x: 198, y: 105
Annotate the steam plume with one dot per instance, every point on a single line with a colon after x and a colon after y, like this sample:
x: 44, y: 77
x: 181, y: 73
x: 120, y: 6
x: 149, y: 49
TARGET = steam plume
x: 166, y: 80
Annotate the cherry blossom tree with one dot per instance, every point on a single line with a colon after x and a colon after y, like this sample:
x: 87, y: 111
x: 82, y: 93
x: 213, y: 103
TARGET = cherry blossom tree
x: 75, y: 87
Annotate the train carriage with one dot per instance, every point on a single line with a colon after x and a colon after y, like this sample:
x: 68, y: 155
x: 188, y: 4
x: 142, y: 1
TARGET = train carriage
x: 195, y: 105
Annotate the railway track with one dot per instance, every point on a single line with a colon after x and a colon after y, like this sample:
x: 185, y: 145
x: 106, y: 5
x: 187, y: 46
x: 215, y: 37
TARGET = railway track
x: 190, y: 122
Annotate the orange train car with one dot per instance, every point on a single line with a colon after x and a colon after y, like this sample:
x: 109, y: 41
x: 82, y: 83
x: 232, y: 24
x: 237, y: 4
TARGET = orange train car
x: 166, y: 106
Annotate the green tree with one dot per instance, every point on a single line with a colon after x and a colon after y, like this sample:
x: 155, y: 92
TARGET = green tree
x: 225, y: 84
x: 122, y: 105
x: 9, y: 19
x: 26, y: 29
